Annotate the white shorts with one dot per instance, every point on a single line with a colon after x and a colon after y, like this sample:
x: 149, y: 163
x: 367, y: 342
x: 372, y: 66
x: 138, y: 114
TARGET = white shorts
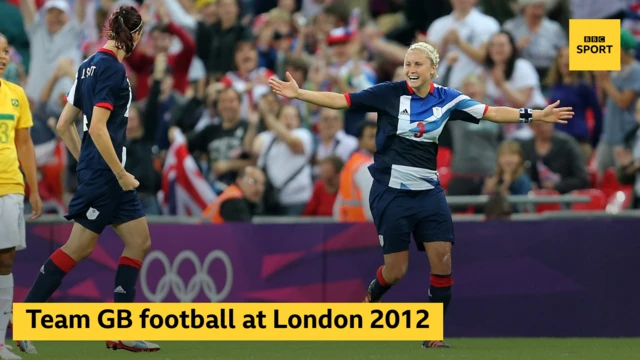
x: 12, y: 227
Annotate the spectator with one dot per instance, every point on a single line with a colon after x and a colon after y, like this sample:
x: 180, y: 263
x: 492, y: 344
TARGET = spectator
x: 325, y: 189
x: 299, y: 70
x: 162, y: 100
x: 264, y: 6
x: 52, y: 97
x: 474, y: 146
x: 622, y: 89
x: 629, y: 159
x: 268, y: 104
x: 510, y: 177
x: 598, y: 9
x: 418, y: 16
x: 56, y: 36
x: 538, y: 38
x: 316, y: 79
x: 311, y: 8
x: 461, y: 39
x: 284, y: 152
x: 140, y: 141
x: 503, y: 10
x: 575, y: 89
x: 352, y: 203
x: 181, y: 13
x: 319, y: 28
x: 12, y: 26
x: 238, y: 202
x: 249, y: 80
x: 215, y: 40
x: 553, y: 160
x: 207, y: 10
x: 161, y: 37
x: 93, y: 42
x: 274, y: 39
x: 223, y: 142
x: 511, y: 81
x: 347, y: 72
x: 332, y: 140
x: 198, y: 111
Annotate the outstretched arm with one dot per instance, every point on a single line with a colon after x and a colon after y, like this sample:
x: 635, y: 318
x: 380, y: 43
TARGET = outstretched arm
x: 552, y: 114
x: 290, y: 89
x: 325, y: 99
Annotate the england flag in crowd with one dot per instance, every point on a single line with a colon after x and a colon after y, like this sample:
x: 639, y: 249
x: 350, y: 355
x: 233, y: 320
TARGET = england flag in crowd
x: 185, y: 192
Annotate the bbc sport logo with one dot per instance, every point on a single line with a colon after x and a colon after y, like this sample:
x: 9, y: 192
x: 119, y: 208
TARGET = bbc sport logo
x: 594, y: 45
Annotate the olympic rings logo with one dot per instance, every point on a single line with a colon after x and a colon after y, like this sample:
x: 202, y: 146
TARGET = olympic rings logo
x: 172, y: 281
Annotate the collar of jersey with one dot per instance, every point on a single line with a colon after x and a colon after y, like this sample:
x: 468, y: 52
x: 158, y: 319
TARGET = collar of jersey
x: 411, y: 91
x: 110, y: 52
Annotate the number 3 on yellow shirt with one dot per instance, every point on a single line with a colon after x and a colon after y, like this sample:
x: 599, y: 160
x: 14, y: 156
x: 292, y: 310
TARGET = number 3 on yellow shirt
x: 4, y: 127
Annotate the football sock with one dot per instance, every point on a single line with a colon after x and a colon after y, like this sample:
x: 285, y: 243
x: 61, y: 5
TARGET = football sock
x: 378, y: 287
x: 126, y: 279
x: 51, y: 274
x: 6, y: 302
x: 440, y: 290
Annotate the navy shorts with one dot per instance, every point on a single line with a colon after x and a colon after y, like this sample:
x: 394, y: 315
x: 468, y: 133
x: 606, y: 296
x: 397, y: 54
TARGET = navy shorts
x: 398, y: 214
x: 99, y: 201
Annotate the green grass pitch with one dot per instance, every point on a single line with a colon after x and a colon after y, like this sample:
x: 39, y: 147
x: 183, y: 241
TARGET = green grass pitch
x: 473, y: 349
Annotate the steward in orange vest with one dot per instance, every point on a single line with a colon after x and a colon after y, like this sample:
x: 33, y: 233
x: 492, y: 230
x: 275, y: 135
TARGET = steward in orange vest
x: 353, y: 193
x: 238, y: 201
x: 351, y: 207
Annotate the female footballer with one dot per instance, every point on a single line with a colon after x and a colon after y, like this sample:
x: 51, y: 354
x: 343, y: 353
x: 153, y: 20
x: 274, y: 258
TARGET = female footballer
x: 16, y: 148
x: 106, y: 193
x: 406, y: 197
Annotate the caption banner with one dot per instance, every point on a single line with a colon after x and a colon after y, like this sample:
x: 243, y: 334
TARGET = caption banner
x: 228, y: 321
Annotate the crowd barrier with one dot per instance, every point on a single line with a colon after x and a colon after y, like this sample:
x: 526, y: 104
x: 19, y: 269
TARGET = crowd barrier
x: 568, y: 277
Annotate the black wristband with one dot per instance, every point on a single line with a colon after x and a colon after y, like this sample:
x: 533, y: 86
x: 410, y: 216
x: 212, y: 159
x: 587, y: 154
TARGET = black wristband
x: 526, y: 115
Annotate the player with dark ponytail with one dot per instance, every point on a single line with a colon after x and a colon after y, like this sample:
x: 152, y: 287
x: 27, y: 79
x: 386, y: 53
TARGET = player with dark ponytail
x: 123, y: 25
x: 106, y: 194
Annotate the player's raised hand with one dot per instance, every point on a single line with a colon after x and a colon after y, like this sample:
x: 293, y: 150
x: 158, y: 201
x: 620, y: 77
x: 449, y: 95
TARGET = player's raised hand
x: 288, y: 89
x: 36, y: 205
x: 127, y: 181
x: 554, y: 114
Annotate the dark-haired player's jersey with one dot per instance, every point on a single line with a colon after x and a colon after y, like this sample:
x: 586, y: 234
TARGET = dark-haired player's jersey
x: 99, y: 200
x: 408, y: 130
x: 101, y: 81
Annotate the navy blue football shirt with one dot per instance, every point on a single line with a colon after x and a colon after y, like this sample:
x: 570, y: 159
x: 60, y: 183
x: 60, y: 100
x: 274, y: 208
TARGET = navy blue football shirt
x: 101, y: 81
x: 408, y: 129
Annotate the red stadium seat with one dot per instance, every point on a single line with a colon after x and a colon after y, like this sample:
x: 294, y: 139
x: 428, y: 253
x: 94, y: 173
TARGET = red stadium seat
x: 540, y: 208
x: 598, y: 200
x: 609, y: 183
x: 444, y: 174
x: 444, y: 157
x: 593, y: 179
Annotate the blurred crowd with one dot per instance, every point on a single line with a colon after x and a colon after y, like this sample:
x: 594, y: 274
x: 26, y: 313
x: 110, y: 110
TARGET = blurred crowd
x: 200, y: 75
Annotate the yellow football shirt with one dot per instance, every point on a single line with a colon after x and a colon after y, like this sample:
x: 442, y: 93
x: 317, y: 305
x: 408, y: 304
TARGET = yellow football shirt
x: 14, y: 114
